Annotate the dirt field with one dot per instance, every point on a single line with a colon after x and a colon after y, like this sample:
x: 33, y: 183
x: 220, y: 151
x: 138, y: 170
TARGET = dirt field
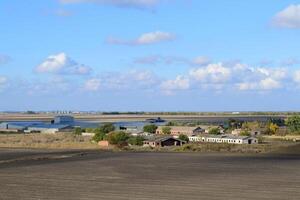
x: 53, y: 174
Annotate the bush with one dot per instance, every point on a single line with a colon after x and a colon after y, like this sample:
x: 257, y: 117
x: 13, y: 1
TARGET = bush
x: 214, y: 131
x: 106, y: 128
x: 138, y: 140
x: 99, y: 136
x: 183, y: 137
x: 245, y: 133
x: 166, y: 130
x: 293, y: 123
x: 151, y: 128
x: 77, y: 131
x: 117, y: 138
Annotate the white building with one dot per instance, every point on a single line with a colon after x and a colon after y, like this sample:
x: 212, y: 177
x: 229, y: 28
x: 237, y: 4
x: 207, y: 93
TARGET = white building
x: 230, y: 139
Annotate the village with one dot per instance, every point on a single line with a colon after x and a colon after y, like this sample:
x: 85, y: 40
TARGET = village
x: 154, y: 133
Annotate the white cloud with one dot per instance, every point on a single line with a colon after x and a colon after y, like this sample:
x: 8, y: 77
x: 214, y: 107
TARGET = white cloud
x: 144, y: 39
x: 179, y: 83
x: 212, y: 73
x: 265, y: 84
x: 62, y: 64
x: 118, y: 3
x: 288, y: 17
x: 92, y: 84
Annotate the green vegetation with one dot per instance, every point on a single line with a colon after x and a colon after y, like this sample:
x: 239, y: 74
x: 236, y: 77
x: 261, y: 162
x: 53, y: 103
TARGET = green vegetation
x: 272, y: 129
x: 138, y: 140
x: 77, y: 131
x: 184, y: 137
x: 166, y: 130
x: 293, y: 124
x: 245, y: 133
x: 118, y: 138
x: 214, y: 131
x: 102, y: 131
x: 106, y: 128
x: 151, y: 128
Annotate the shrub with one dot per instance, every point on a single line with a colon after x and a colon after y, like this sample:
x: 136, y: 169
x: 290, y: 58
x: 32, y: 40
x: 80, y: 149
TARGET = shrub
x: 77, y: 131
x: 293, y: 123
x: 99, y: 136
x: 151, y: 128
x: 214, y: 131
x: 184, y: 137
x: 245, y: 133
x: 117, y: 138
x: 106, y: 128
x: 138, y: 140
x: 166, y: 130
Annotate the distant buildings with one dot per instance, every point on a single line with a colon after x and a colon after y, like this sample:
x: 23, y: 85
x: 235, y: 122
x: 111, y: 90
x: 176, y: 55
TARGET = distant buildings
x: 59, y: 124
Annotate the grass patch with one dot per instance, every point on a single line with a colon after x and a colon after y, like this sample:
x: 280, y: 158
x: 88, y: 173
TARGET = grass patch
x: 51, y: 141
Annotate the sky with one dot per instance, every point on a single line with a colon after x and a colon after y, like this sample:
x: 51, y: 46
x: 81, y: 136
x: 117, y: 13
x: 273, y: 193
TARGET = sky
x: 150, y: 55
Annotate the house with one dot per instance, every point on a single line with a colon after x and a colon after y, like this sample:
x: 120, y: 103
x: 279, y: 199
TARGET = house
x: 49, y: 128
x: 178, y: 130
x: 163, y: 142
x: 230, y: 139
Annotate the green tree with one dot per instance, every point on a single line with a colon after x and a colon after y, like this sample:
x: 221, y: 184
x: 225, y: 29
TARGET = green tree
x: 183, y: 137
x: 245, y: 133
x: 214, y: 131
x: 77, y: 131
x: 138, y: 140
x: 150, y: 128
x: 166, y: 130
x: 106, y: 128
x: 118, y: 138
x: 293, y: 123
x: 99, y: 136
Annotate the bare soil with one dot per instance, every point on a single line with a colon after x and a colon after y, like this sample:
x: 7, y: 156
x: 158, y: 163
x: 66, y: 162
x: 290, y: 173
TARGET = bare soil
x: 86, y: 174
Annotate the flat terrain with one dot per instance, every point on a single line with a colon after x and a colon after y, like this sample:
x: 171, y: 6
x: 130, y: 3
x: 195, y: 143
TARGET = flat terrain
x: 54, y: 174
x: 218, y: 118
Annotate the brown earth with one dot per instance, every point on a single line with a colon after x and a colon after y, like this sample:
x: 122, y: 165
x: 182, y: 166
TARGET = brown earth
x: 54, y: 174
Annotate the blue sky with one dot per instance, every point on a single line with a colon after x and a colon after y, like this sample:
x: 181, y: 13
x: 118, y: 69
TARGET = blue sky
x: 150, y: 55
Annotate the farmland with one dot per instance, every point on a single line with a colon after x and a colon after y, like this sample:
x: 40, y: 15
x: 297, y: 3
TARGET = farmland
x: 93, y: 174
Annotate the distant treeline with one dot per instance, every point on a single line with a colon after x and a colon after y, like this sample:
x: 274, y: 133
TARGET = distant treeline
x: 202, y: 113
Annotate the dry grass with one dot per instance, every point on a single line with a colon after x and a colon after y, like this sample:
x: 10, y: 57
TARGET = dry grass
x: 47, y: 141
